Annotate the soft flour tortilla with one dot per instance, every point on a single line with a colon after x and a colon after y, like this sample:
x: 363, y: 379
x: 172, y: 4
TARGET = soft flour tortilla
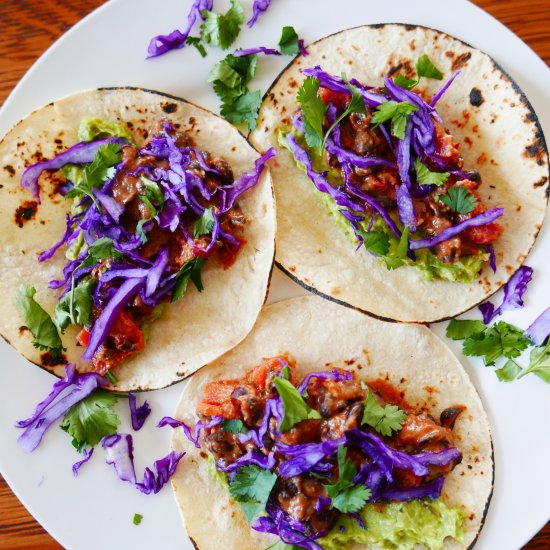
x: 322, y: 335
x: 191, y: 332
x: 487, y: 114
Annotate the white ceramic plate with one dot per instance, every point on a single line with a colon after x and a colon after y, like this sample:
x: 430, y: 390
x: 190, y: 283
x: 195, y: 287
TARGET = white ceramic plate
x: 107, y: 49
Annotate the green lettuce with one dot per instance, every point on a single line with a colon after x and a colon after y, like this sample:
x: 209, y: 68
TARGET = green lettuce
x: 400, y: 525
x: 466, y: 270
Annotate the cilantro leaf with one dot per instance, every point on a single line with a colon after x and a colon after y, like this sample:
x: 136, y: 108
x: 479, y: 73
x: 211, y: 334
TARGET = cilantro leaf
x: 461, y: 329
x: 244, y: 109
x: 94, y: 174
x: 234, y: 72
x: 500, y: 340
x: 459, y: 199
x: 404, y: 82
x: 75, y: 307
x: 251, y: 486
x: 234, y: 426
x: 205, y: 224
x: 313, y: 111
x: 539, y: 363
x: 101, y: 249
x: 426, y: 68
x: 288, y: 43
x: 509, y: 371
x: 189, y: 270
x: 38, y: 321
x: 425, y: 176
x: 222, y: 29
x: 376, y: 242
x: 384, y: 420
x: 296, y: 409
x: 91, y: 419
x: 347, y: 497
x: 398, y: 113
x: 393, y: 261
x: 137, y: 519
x: 197, y: 43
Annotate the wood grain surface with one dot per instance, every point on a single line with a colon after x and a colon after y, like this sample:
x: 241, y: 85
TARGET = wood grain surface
x: 29, y: 27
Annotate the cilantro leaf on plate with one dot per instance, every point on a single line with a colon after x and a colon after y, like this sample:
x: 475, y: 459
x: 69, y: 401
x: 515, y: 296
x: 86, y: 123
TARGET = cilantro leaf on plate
x: 459, y: 329
x: 296, y: 409
x: 222, y: 29
x: 190, y: 270
x: 244, y: 109
x: 459, y: 199
x: 38, y: 321
x: 397, y: 113
x: 499, y: 340
x: 425, y: 176
x: 539, y: 363
x: 91, y: 419
x: 313, y: 111
x: 231, y: 75
x: 347, y: 497
x: 404, y: 82
x: 384, y: 420
x: 289, y: 41
x: 251, y: 487
x: 196, y: 42
x: 75, y: 307
x: 508, y: 371
x: 205, y: 224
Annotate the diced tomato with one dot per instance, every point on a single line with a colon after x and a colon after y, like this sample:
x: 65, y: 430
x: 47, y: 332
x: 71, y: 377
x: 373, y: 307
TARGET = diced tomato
x: 339, y: 99
x: 228, y: 253
x: 124, y: 340
x: 405, y: 478
x: 484, y: 234
x: 217, y: 399
x: 262, y: 376
x: 445, y: 146
x: 83, y: 337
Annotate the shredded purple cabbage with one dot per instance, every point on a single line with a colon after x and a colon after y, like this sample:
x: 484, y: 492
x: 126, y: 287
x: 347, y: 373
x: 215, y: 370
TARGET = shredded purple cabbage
x: 513, y: 292
x: 266, y: 462
x: 119, y: 451
x: 258, y: 8
x: 431, y: 490
x: 52, y: 408
x: 336, y: 375
x: 492, y: 257
x: 481, y: 219
x: 138, y: 415
x: 164, y: 43
x: 254, y: 51
x: 539, y: 330
x: 302, y: 47
x: 77, y: 465
x: 173, y: 423
x: 80, y: 153
x: 443, y: 89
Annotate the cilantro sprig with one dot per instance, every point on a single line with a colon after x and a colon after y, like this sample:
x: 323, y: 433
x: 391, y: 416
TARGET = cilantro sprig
x: 424, y: 68
x: 234, y: 426
x: 501, y: 340
x: 222, y: 29
x: 289, y: 43
x: 75, y: 307
x: 385, y: 420
x: 191, y: 270
x: 251, y: 487
x: 395, y: 260
x: 346, y: 496
x: 459, y: 199
x: 205, y: 224
x: 295, y: 408
x: 91, y: 419
x: 313, y: 111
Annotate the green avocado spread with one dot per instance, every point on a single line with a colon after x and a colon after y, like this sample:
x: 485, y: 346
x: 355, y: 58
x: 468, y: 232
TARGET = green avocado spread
x: 465, y: 270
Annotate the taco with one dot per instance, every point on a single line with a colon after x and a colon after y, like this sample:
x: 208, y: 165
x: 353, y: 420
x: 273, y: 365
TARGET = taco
x: 137, y: 237
x: 326, y: 426
x: 412, y: 178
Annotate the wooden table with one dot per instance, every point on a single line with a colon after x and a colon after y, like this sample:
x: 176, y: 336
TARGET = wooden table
x: 28, y: 27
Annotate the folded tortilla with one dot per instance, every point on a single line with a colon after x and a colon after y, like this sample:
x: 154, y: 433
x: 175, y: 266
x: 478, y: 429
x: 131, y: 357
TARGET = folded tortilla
x: 191, y: 332
x: 500, y: 137
x: 320, y: 335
